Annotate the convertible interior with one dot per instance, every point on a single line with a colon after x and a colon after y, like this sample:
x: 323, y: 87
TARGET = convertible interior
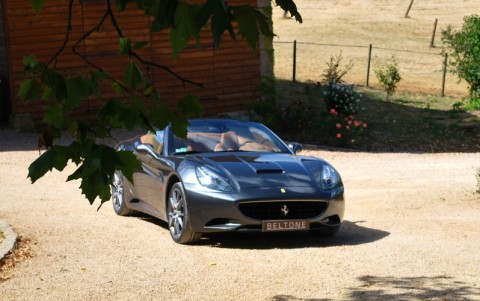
x: 213, y: 142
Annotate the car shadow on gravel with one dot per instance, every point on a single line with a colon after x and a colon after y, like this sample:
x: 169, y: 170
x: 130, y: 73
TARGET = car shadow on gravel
x: 351, y: 233
x: 404, y: 288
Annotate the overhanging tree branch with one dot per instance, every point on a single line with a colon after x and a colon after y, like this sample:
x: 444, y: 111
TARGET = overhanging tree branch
x: 54, y: 58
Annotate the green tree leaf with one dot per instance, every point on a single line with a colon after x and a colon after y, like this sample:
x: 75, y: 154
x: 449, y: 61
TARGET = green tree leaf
x: 42, y: 165
x: 96, y: 184
x: 54, y: 115
x: 30, y: 89
x: 37, y: 5
x: 151, y: 7
x: 55, y: 157
x: 140, y: 45
x: 57, y: 82
x: 78, y: 88
x: 185, y: 27
x: 164, y: 13
x: 48, y: 94
x: 248, y: 20
x: 121, y: 5
x: 133, y: 76
x: 217, y: 11
x: 29, y: 61
x: 160, y: 116
x: 190, y: 106
x: 125, y: 46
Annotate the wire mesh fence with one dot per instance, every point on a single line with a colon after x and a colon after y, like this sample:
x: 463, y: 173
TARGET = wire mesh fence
x: 421, y: 72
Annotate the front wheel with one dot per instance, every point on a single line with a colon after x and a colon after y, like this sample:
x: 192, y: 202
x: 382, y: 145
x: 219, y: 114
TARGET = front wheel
x: 178, y: 217
x: 118, y: 195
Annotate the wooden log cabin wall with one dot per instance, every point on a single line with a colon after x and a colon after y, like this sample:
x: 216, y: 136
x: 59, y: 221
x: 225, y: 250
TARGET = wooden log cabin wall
x: 229, y: 74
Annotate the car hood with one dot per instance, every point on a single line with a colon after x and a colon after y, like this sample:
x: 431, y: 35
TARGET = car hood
x: 252, y: 170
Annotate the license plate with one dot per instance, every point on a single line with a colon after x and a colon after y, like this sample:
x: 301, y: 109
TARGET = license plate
x: 285, y: 225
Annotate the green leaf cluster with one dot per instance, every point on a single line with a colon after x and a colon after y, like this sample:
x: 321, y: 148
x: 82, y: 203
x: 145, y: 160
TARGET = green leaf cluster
x: 464, y: 50
x: 96, y: 165
x: 137, y: 102
x: 97, y: 162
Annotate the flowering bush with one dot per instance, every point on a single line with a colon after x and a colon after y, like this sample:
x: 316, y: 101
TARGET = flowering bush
x: 342, y: 98
x: 348, y: 129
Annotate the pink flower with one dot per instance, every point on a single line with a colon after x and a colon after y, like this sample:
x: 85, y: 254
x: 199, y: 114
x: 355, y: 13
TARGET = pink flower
x: 339, y: 135
x: 349, y: 122
x: 333, y: 111
x: 350, y: 116
x: 339, y: 125
x: 364, y: 124
x: 347, y: 127
x: 357, y: 123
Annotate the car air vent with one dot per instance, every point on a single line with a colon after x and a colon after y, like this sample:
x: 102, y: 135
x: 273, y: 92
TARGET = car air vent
x: 270, y: 171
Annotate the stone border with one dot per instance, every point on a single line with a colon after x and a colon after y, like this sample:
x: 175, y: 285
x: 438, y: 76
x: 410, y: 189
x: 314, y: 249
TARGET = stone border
x: 9, y: 241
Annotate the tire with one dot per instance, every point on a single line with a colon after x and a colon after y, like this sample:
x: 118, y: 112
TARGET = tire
x: 118, y: 195
x: 178, y: 219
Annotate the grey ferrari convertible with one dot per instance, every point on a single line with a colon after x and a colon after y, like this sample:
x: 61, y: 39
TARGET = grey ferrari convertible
x: 228, y: 175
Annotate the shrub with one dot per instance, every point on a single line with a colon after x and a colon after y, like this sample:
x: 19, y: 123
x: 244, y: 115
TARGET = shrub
x: 473, y: 104
x: 342, y: 98
x: 266, y: 105
x: 334, y: 72
x: 298, y: 118
x: 388, y: 76
x: 348, y: 128
x: 465, y: 53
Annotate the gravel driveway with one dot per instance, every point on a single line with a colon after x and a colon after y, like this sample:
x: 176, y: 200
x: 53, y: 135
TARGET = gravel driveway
x: 411, y: 232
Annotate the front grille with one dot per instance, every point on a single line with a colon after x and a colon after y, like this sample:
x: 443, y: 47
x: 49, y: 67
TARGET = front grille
x: 277, y: 210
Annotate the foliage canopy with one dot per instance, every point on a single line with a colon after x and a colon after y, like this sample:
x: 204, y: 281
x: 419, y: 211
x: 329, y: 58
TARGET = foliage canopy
x: 138, y: 102
x: 464, y: 49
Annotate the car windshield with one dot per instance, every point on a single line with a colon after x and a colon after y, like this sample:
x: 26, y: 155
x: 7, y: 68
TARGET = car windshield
x: 228, y: 135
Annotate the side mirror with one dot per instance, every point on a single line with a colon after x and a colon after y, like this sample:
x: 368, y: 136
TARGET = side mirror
x: 295, y: 147
x: 146, y: 148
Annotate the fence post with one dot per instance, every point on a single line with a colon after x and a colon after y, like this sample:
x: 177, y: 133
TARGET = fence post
x: 444, y: 73
x: 408, y: 9
x: 432, y: 41
x: 368, y: 65
x: 294, y: 60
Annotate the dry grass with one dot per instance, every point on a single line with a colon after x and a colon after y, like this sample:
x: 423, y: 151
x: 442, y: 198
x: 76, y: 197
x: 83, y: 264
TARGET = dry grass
x: 377, y: 22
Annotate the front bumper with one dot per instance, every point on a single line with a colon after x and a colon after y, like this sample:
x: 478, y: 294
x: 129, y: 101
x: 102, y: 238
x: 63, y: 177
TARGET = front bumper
x: 211, y: 211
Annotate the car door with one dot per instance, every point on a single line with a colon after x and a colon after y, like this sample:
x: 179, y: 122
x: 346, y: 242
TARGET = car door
x: 150, y: 182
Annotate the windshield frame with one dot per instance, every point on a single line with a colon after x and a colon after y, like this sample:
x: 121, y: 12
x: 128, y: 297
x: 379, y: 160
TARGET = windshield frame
x: 216, y: 131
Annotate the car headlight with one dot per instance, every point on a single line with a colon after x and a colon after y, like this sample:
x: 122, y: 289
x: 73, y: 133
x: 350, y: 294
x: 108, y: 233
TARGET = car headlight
x: 208, y: 178
x: 324, y: 174
x: 329, y: 177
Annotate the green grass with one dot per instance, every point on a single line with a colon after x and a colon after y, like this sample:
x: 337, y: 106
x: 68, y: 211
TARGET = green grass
x: 407, y: 123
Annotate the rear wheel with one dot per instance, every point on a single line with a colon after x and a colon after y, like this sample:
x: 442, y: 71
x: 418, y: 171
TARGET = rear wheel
x: 178, y: 217
x: 118, y: 195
